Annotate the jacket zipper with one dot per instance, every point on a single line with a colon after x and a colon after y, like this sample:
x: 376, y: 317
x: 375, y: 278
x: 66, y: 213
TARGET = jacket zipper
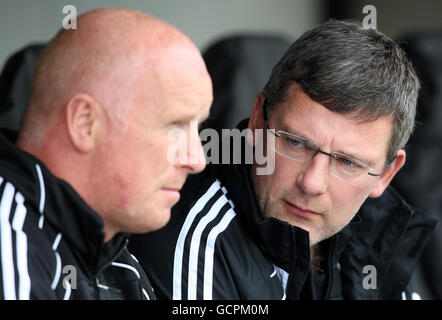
x: 330, y: 264
x: 99, y: 285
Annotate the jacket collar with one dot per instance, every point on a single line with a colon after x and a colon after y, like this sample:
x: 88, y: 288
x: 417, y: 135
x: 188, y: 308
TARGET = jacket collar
x: 390, y: 236
x: 63, y: 208
x: 277, y: 239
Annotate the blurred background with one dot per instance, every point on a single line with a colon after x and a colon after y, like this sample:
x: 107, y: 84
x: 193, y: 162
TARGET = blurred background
x: 24, y: 21
x: 241, y: 41
x: 204, y: 21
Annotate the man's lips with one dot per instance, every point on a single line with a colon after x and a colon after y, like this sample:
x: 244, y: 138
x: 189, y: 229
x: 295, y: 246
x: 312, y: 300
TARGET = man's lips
x: 173, y: 193
x: 176, y: 187
x: 305, y: 213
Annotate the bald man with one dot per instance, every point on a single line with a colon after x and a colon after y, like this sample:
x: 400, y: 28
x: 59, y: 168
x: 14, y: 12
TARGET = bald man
x: 91, y: 161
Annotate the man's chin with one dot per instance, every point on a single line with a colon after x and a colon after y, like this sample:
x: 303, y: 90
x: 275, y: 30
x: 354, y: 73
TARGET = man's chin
x: 156, y: 219
x: 162, y: 202
x: 163, y: 216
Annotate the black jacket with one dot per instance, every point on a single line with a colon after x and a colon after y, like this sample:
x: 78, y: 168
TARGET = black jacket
x: 52, y: 241
x: 218, y: 246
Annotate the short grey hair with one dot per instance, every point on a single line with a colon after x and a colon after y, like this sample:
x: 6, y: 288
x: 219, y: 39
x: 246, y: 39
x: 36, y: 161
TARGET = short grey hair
x: 350, y: 70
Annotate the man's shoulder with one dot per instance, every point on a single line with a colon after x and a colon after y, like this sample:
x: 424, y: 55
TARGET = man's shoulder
x: 391, y: 206
x: 19, y: 208
x: 390, y: 236
x: 20, y: 173
x: 27, y: 253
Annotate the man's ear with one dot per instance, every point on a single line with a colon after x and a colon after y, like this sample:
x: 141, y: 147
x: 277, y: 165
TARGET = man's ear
x: 256, y: 120
x: 388, y: 175
x: 82, y: 121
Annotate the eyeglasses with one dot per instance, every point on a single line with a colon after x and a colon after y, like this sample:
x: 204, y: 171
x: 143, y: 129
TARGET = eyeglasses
x: 299, y: 149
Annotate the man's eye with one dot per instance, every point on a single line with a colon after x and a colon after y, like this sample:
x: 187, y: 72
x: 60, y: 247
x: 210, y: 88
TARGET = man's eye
x: 348, y: 163
x: 179, y: 124
x: 295, y: 143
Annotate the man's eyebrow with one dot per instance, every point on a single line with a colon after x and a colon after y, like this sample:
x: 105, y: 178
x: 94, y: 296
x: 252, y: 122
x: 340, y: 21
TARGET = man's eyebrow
x: 291, y: 131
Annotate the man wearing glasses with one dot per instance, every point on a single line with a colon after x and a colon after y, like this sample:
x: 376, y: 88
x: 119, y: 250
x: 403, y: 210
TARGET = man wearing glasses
x: 337, y: 112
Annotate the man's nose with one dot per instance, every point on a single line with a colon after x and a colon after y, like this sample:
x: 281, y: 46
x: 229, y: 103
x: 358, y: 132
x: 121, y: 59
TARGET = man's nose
x: 195, y: 160
x: 313, y: 179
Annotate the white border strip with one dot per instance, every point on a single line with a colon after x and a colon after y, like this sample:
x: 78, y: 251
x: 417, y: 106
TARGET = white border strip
x: 126, y: 266
x: 42, y: 196
x: 24, y: 291
x: 210, y: 249
x: 179, y: 249
x: 195, y: 246
x: 6, y: 243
